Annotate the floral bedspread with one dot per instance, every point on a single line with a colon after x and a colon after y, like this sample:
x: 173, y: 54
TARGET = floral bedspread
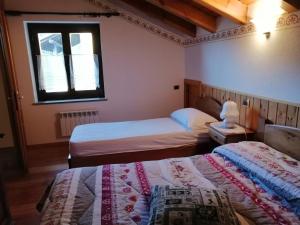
x: 119, y: 194
x: 110, y: 194
x: 276, y: 170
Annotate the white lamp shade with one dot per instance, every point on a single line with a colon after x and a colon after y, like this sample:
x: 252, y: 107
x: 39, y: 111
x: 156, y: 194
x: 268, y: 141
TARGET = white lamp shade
x: 230, y: 114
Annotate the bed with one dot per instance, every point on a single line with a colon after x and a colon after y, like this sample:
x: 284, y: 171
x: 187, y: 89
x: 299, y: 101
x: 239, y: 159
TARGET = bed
x: 128, y: 141
x: 262, y: 184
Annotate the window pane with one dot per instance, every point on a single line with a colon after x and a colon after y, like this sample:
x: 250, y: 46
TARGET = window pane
x: 84, y: 64
x: 51, y: 63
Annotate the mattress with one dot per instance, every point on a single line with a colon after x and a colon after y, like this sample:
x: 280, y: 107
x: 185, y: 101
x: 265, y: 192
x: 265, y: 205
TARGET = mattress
x: 130, y: 136
x: 119, y: 193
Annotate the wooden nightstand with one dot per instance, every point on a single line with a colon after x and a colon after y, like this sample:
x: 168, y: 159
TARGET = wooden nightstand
x: 225, y: 136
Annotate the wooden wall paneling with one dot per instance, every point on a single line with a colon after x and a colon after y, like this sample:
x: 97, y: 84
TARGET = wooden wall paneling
x: 238, y: 102
x: 255, y: 113
x: 194, y: 93
x: 243, y: 115
x: 209, y: 91
x: 272, y: 112
x: 281, y: 114
x: 243, y: 111
x: 203, y: 91
x: 232, y: 96
x: 298, y: 124
x: 223, y: 96
x: 249, y: 112
x: 219, y: 95
x: 227, y: 95
x: 264, y: 108
x: 192, y: 90
x: 186, y: 94
x: 291, y: 117
x: 214, y: 93
x: 200, y: 90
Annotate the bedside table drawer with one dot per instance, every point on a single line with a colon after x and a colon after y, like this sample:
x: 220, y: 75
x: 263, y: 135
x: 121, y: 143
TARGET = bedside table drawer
x: 217, y: 137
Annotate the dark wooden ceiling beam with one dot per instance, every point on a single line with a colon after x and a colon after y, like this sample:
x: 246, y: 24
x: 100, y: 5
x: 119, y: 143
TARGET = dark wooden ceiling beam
x: 295, y: 3
x: 290, y: 5
x: 187, y: 12
x: 167, y: 18
x: 287, y: 5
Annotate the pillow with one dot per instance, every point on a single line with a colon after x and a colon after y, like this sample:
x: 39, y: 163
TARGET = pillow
x: 192, y: 118
x: 190, y: 206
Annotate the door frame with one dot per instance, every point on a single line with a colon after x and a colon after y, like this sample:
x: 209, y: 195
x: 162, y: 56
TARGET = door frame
x: 13, y: 94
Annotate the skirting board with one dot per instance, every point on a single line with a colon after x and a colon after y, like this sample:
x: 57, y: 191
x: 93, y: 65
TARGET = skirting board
x: 48, y: 145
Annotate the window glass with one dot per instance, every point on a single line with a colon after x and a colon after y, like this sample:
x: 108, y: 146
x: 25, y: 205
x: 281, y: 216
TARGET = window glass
x: 51, y: 63
x: 66, y: 60
x: 84, y: 63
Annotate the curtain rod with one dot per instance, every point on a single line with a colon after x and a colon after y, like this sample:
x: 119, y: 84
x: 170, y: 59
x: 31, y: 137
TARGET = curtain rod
x: 90, y: 14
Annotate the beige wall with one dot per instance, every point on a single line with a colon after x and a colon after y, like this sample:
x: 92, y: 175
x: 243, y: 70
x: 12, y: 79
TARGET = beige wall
x: 268, y: 68
x: 139, y: 68
x: 5, y: 126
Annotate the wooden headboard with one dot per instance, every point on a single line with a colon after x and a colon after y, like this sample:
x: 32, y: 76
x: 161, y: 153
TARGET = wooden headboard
x: 192, y: 98
x: 284, y: 139
x: 209, y: 106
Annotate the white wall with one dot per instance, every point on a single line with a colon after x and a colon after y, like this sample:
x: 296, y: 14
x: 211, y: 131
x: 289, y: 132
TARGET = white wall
x: 140, y: 69
x: 268, y: 69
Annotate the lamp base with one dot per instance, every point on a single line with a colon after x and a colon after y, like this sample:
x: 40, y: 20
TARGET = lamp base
x: 228, y: 125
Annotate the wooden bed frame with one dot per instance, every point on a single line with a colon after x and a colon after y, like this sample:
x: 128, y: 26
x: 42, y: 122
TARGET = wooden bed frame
x: 148, y: 155
x: 284, y: 139
x: 207, y: 105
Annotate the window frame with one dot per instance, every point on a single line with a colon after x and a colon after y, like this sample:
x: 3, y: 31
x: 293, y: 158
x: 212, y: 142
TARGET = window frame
x: 33, y: 28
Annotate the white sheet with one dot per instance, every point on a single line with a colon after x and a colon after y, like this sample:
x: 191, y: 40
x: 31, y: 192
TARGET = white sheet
x: 130, y: 136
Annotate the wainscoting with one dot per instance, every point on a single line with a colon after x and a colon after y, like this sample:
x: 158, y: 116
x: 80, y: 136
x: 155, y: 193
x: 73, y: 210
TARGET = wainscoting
x: 251, y: 108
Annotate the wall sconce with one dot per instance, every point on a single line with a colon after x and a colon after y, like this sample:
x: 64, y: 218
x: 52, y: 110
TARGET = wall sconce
x: 265, y: 15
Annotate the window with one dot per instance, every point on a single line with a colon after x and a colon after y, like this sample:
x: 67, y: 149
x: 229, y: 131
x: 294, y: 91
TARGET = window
x: 66, y: 60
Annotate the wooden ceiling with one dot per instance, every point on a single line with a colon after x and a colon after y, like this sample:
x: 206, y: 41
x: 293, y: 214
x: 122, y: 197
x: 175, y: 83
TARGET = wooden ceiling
x: 187, y: 15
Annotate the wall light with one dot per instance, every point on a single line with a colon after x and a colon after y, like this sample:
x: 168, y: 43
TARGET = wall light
x: 266, y: 14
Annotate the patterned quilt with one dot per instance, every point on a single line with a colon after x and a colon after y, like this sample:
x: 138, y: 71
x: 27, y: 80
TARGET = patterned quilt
x: 276, y: 170
x: 119, y: 194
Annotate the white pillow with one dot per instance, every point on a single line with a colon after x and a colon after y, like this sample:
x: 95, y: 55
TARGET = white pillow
x: 192, y: 118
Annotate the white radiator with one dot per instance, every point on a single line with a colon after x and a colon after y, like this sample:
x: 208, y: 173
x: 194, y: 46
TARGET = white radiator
x: 69, y: 120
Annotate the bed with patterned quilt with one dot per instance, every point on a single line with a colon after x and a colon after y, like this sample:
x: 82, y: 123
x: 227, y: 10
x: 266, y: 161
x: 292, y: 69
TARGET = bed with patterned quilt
x: 262, y: 184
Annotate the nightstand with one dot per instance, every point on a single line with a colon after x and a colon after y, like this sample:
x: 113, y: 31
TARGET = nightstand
x: 224, y: 136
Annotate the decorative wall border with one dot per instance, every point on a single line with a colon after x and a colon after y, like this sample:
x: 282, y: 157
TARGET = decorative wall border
x: 284, y: 21
x: 141, y: 22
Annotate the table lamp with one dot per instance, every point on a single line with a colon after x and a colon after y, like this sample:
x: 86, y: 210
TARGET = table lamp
x: 229, y: 114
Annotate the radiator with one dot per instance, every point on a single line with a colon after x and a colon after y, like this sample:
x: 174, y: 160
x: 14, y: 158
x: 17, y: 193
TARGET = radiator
x: 69, y: 120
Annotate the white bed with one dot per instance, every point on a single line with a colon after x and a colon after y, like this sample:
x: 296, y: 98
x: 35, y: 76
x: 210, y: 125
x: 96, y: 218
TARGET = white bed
x: 117, y: 142
x: 131, y: 136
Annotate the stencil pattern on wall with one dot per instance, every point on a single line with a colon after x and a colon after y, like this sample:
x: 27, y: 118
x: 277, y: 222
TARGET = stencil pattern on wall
x: 284, y: 21
x: 141, y: 22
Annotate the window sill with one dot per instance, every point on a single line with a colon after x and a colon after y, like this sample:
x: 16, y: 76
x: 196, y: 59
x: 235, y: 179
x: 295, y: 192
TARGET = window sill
x: 70, y: 101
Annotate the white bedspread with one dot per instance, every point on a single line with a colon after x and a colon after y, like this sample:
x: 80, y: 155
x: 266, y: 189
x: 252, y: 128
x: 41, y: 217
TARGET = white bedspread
x: 129, y: 136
